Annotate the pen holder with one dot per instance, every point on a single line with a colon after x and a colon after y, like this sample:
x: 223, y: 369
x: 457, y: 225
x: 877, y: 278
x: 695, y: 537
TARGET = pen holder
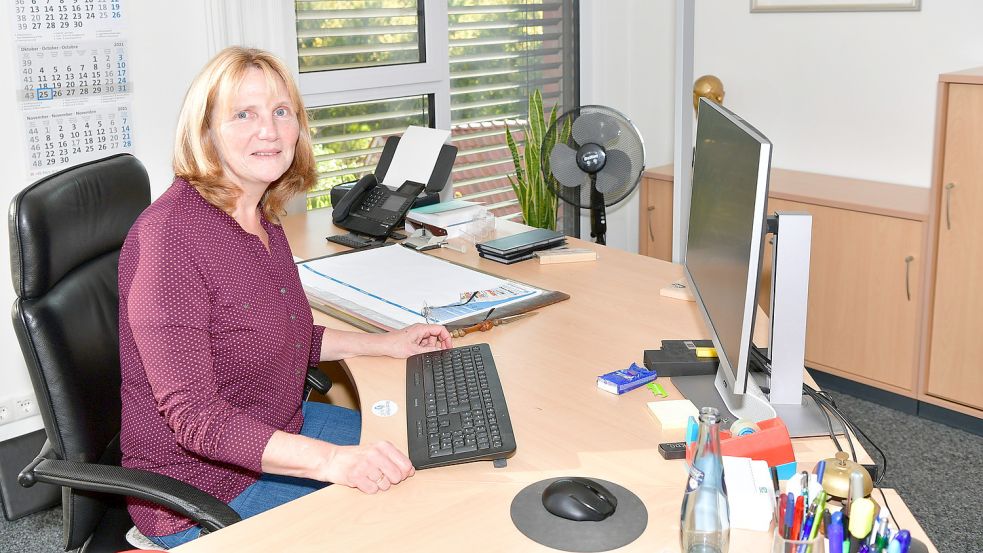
x: 481, y: 228
x: 780, y: 544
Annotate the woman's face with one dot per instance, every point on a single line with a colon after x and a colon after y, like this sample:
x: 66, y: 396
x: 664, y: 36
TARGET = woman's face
x: 257, y: 133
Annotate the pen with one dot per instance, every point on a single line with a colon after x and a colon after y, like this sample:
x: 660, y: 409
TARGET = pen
x: 872, y: 538
x: 903, y: 539
x: 805, y: 487
x: 878, y: 541
x: 820, y: 470
x: 807, y: 527
x: 882, y: 537
x: 774, y: 480
x: 782, y: 502
x: 834, y: 532
x: 820, y: 510
x: 797, y: 516
x: 789, y: 516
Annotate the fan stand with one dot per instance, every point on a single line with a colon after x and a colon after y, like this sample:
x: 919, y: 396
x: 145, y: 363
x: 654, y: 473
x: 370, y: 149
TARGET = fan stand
x: 598, y: 218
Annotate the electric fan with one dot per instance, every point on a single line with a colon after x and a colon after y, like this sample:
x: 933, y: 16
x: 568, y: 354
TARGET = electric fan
x: 596, y: 161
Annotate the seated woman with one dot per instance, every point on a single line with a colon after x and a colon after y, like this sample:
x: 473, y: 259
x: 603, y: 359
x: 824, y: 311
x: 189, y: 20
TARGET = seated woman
x: 215, y: 331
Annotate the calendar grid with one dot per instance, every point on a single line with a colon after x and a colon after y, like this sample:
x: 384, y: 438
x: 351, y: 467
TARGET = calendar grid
x: 72, y: 81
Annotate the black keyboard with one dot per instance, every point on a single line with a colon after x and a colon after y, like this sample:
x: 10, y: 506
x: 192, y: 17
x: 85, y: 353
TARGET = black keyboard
x: 455, y: 408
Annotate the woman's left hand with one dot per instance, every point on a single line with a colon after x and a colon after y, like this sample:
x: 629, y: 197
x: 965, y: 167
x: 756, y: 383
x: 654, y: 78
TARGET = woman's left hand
x: 417, y: 338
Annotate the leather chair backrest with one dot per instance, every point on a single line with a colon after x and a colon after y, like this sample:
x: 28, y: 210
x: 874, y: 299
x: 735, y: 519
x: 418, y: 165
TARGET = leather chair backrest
x: 66, y: 231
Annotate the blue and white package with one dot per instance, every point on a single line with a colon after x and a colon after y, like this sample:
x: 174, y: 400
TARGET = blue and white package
x: 619, y: 382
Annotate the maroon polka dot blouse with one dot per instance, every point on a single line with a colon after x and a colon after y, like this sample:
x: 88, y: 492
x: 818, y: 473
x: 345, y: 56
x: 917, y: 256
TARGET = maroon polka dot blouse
x: 215, y: 339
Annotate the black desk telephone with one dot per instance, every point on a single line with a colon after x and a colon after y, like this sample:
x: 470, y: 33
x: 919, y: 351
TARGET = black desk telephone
x: 372, y: 209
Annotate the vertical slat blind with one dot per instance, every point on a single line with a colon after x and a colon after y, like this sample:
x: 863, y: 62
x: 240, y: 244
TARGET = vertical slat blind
x: 500, y: 51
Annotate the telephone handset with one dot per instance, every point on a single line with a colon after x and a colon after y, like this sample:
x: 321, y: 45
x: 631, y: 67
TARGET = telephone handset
x: 373, y: 209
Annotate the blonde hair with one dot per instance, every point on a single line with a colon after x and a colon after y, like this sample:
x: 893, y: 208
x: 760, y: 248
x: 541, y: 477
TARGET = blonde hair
x: 196, y: 159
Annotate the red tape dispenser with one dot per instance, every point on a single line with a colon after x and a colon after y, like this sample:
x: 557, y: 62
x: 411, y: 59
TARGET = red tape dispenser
x: 766, y: 440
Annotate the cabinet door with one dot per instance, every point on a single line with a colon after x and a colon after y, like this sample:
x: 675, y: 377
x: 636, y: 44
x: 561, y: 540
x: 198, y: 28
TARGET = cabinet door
x: 655, y: 218
x: 863, y: 295
x: 957, y: 350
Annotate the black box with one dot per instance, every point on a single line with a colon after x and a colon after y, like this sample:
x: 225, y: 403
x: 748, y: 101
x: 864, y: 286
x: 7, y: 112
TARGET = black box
x: 678, y: 358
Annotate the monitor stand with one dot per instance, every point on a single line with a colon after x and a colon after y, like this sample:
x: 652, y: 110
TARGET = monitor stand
x: 802, y: 420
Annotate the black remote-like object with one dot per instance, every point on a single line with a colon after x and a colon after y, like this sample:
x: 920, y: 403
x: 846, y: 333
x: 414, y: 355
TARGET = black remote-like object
x: 672, y: 450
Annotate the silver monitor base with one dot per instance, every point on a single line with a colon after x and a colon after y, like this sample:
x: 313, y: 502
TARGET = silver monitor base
x: 802, y: 420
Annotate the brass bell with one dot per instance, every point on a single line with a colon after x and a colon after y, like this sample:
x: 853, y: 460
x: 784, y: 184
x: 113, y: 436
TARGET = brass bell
x: 836, y: 478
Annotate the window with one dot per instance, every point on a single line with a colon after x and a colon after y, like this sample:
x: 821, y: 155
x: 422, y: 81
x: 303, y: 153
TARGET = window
x: 348, y: 138
x: 343, y: 35
x: 466, y: 65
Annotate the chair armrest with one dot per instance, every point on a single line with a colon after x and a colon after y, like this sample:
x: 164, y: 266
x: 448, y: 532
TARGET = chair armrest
x: 207, y: 511
x: 317, y: 380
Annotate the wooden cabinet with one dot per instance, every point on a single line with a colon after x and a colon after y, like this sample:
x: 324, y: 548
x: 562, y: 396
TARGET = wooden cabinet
x: 864, y: 294
x: 867, y: 273
x: 655, y: 213
x: 954, y: 371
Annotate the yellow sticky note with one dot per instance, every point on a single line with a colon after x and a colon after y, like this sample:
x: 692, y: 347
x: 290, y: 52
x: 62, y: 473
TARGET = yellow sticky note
x: 706, y: 352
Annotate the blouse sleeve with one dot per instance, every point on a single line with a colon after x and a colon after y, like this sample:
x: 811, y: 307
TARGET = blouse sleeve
x: 168, y: 310
x: 317, y: 338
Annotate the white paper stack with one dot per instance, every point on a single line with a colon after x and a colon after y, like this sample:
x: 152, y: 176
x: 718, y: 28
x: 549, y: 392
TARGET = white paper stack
x: 750, y: 493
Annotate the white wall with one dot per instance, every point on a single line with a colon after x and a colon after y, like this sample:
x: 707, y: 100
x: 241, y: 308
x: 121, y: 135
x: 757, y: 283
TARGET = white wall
x: 849, y: 94
x: 626, y: 62
x: 167, y: 48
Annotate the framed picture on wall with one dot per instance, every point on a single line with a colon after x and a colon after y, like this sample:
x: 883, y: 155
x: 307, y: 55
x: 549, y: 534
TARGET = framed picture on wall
x: 764, y: 6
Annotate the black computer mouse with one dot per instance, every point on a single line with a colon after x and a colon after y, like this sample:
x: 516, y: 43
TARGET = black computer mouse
x: 579, y: 499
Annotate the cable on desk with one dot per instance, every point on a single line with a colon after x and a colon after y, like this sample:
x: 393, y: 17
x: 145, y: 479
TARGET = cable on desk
x: 826, y: 403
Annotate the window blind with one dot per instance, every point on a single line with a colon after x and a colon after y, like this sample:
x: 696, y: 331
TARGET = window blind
x: 499, y: 52
x: 343, y: 34
x: 348, y: 138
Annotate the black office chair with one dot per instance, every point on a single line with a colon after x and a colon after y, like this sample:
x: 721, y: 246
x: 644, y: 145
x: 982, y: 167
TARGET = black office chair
x: 66, y: 231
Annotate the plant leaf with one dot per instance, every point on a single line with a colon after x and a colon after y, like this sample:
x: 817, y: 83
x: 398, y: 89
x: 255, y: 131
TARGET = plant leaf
x: 515, y: 154
x: 536, y: 116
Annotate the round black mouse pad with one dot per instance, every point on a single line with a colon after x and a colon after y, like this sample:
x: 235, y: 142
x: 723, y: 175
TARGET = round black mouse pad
x: 621, y: 528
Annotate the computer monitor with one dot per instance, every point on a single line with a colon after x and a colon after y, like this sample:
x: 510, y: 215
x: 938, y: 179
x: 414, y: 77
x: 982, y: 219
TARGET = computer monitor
x: 727, y: 226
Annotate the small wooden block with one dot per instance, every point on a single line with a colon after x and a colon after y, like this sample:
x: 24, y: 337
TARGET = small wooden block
x: 678, y: 290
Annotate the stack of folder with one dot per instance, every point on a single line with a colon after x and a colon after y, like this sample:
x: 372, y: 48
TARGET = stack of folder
x: 519, y: 247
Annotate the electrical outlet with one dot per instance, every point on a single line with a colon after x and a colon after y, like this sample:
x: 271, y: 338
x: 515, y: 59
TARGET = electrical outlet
x: 7, y: 411
x: 25, y: 406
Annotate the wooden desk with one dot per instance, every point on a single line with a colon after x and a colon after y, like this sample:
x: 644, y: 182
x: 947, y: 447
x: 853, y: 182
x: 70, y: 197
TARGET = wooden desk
x: 563, y: 424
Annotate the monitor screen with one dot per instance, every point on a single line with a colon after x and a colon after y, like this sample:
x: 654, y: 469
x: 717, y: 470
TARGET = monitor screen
x: 726, y: 232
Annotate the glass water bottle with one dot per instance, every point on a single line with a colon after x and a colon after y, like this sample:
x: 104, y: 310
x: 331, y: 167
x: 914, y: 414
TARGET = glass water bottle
x: 705, y: 518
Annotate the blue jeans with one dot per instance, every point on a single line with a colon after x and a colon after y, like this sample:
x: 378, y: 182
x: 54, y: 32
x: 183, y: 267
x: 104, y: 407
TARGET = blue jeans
x: 321, y: 421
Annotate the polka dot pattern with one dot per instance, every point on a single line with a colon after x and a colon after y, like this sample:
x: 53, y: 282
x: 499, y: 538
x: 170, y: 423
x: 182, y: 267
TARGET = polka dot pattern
x: 215, y: 339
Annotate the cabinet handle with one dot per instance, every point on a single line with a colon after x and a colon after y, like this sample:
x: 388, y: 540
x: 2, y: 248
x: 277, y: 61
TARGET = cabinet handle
x: 948, y: 194
x: 650, y: 209
x: 907, y: 275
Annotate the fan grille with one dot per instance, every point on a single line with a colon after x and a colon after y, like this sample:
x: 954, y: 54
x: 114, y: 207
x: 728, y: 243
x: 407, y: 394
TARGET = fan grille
x: 625, y: 156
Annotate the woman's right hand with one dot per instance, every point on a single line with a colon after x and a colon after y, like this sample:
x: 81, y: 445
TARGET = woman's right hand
x: 370, y: 468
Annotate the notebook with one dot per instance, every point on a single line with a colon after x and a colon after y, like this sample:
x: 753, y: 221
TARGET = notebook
x: 528, y: 241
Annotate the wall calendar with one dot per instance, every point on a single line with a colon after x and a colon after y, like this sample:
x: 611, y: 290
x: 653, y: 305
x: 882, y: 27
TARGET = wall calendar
x: 73, y: 81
